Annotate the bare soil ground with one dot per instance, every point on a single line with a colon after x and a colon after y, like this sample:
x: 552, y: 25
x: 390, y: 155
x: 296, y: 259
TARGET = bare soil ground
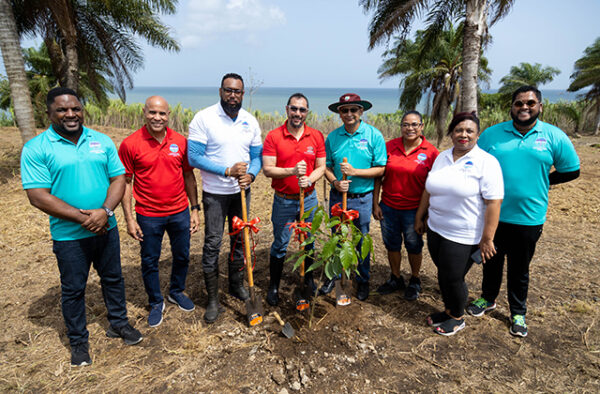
x: 380, y: 345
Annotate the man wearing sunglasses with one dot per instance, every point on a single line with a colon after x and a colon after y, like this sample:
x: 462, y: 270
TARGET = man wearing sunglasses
x: 364, y: 147
x: 526, y: 148
x: 294, y: 157
x: 225, y: 144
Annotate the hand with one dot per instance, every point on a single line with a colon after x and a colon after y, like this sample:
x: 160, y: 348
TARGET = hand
x: 194, y: 221
x: 377, y: 212
x: 134, y: 230
x: 342, y: 186
x: 238, y: 169
x: 300, y: 168
x: 420, y: 226
x: 488, y: 249
x: 304, y: 182
x: 347, y: 169
x: 97, y: 220
x: 244, y: 181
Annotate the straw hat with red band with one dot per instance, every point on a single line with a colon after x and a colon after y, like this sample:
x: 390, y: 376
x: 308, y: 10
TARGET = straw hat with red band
x: 350, y: 99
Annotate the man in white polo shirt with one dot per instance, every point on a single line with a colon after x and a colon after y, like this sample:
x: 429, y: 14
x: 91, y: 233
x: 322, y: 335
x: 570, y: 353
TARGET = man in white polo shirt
x: 225, y: 144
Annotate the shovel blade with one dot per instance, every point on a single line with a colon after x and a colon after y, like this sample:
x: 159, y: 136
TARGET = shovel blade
x: 254, y: 310
x: 341, y: 296
x: 288, y: 330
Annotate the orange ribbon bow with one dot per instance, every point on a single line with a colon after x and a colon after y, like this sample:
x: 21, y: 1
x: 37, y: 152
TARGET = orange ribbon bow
x: 300, y: 228
x: 349, y: 214
x: 238, y: 225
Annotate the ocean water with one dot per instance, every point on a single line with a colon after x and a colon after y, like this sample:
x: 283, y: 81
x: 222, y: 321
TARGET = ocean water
x: 271, y: 100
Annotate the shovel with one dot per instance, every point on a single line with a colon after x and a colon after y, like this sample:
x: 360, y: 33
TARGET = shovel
x: 301, y: 296
x: 254, y: 308
x: 287, y: 330
x: 341, y: 295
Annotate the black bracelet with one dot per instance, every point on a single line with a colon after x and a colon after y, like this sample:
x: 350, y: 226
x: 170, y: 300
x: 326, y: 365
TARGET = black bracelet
x: 252, y: 176
x: 195, y: 207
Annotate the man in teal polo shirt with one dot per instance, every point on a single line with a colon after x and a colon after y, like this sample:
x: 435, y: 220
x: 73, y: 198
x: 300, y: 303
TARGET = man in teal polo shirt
x: 364, y: 147
x: 526, y: 148
x: 73, y: 174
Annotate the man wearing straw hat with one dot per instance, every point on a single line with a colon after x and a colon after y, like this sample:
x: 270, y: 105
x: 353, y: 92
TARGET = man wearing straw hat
x: 160, y: 178
x: 364, y: 147
x: 294, y: 157
x: 225, y: 144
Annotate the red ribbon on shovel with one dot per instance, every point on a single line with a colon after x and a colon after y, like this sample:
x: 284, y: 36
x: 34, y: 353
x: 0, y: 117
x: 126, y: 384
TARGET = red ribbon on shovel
x: 238, y: 225
x: 300, y: 228
x: 345, y: 214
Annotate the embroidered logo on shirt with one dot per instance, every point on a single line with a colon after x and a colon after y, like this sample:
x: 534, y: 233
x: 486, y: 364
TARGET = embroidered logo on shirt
x: 96, y: 147
x: 246, y: 126
x: 422, y: 156
x: 363, y: 144
x: 468, y: 164
x: 174, y: 148
x: 540, y: 144
x: 310, y: 150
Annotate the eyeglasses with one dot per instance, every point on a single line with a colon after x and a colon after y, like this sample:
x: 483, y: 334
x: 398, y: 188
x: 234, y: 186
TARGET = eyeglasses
x: 351, y: 109
x: 232, y: 91
x: 293, y: 108
x: 413, y: 125
x: 529, y: 103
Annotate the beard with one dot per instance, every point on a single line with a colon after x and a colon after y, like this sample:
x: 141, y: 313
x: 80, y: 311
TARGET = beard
x: 524, y: 123
x: 61, y: 130
x: 231, y: 109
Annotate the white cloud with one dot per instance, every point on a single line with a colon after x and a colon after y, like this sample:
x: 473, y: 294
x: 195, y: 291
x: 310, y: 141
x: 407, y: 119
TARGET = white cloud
x: 205, y: 19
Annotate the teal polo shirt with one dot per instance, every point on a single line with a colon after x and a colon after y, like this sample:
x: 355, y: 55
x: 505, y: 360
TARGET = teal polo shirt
x: 365, y: 148
x: 77, y: 174
x: 526, y: 161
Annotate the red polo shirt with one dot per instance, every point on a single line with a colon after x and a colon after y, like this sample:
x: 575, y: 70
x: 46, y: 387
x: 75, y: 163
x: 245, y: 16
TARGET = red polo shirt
x: 289, y: 151
x: 157, y: 170
x: 405, y: 174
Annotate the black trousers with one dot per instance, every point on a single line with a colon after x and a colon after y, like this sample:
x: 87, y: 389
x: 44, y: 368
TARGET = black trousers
x: 516, y: 243
x: 453, y: 261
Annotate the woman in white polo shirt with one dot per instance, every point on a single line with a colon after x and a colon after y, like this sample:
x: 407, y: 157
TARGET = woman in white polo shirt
x: 462, y: 198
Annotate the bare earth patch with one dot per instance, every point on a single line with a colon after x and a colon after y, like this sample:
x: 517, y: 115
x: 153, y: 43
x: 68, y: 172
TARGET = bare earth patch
x: 381, y: 345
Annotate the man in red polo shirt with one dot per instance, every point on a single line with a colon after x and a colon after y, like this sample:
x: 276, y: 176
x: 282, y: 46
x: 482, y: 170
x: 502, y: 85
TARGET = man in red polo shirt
x: 161, y: 180
x: 294, y: 157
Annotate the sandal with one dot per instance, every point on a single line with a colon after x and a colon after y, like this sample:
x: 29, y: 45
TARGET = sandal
x: 435, y: 319
x: 450, y: 327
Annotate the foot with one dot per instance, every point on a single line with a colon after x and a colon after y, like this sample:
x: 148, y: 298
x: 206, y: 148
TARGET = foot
x: 327, y: 286
x: 478, y: 307
x: 436, y: 319
x: 182, y: 301
x: 362, y: 292
x: 80, y: 355
x: 273, y: 296
x: 155, y: 317
x: 239, y: 292
x: 130, y: 335
x: 450, y: 327
x: 394, y: 283
x: 518, y: 327
x: 414, y: 288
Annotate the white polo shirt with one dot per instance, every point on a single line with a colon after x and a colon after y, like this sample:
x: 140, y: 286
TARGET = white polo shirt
x: 457, y: 189
x: 227, y: 142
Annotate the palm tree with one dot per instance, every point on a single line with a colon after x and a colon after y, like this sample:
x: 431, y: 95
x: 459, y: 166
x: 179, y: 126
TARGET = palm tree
x: 587, y: 74
x: 96, y: 37
x: 15, y: 70
x: 391, y: 16
x: 433, y: 70
x: 526, y: 74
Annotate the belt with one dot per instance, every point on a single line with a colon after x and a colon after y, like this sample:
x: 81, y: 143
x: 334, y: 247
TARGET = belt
x: 353, y: 195
x: 291, y: 196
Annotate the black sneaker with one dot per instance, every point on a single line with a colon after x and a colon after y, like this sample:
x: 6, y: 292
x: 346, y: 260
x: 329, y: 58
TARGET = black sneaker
x: 327, y: 286
x: 480, y: 306
x: 394, y: 283
x: 130, y: 335
x: 362, y: 292
x: 414, y: 288
x: 80, y: 355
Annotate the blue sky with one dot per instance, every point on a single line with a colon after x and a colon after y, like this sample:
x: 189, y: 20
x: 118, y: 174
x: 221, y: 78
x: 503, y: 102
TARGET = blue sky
x: 324, y: 43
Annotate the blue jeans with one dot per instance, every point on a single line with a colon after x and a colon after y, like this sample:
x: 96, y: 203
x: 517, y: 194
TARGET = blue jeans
x: 286, y: 211
x: 364, y: 206
x: 74, y: 260
x: 398, y: 224
x: 153, y: 228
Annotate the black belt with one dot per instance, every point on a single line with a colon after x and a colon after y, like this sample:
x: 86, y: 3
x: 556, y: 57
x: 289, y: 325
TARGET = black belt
x: 353, y: 195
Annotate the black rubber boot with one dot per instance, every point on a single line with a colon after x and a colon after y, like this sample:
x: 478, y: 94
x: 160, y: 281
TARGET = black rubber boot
x: 236, y: 281
x: 212, y: 289
x: 275, y: 270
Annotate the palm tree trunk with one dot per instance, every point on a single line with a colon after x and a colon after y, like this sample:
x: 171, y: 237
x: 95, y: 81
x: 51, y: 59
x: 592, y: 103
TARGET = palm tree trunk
x: 475, y: 28
x: 597, y: 132
x: 64, y: 15
x: 15, y: 70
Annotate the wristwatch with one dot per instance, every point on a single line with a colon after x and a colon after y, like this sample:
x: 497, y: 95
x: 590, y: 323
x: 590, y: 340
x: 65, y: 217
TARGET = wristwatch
x: 108, y: 211
x: 195, y: 207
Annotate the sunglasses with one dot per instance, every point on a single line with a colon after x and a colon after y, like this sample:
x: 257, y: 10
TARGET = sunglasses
x: 293, y: 108
x: 233, y: 91
x: 413, y: 125
x: 529, y: 103
x: 351, y: 109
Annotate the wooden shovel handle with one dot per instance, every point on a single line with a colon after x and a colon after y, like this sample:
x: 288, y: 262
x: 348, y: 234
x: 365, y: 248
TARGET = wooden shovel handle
x: 302, y: 234
x: 246, y: 234
x: 345, y: 194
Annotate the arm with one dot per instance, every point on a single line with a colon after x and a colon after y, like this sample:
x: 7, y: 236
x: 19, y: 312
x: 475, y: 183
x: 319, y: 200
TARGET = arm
x: 191, y: 189
x: 562, y: 177
x: 54, y: 206
x: 373, y: 172
x: 271, y: 170
x: 319, y: 170
x: 197, y: 158
x: 133, y: 228
x: 340, y: 186
x: 422, y: 213
x: 490, y: 223
x: 97, y: 219
x: 246, y: 179
x: 377, y: 214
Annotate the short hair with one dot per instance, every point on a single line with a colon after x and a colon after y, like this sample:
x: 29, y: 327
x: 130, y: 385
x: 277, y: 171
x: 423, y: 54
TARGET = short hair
x: 527, y: 88
x: 413, y: 112
x: 232, y: 75
x: 461, y: 116
x: 297, y: 96
x: 59, y: 91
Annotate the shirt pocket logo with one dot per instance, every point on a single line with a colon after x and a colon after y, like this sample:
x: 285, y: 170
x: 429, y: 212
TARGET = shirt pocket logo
x: 540, y: 144
x: 96, y: 147
x: 363, y: 144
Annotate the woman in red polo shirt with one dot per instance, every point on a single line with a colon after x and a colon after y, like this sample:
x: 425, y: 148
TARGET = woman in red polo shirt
x: 410, y: 158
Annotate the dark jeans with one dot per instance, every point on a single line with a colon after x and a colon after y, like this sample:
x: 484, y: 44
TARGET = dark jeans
x: 217, y: 207
x: 153, y: 228
x: 517, y: 243
x: 453, y: 261
x: 287, y: 211
x: 74, y: 259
